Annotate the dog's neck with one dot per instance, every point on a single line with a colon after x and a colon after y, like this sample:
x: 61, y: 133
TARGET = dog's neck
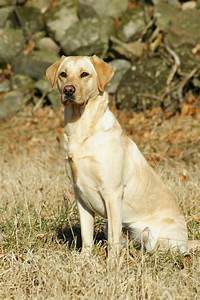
x: 81, y: 121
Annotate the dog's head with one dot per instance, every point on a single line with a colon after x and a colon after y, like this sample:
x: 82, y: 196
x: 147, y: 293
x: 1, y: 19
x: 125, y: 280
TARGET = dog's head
x: 79, y: 78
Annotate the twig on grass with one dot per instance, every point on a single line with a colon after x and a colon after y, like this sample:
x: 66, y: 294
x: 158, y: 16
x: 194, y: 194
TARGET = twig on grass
x: 184, y: 82
x: 175, y: 66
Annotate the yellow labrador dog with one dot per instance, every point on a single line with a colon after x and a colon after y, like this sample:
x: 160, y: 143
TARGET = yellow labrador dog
x: 110, y: 175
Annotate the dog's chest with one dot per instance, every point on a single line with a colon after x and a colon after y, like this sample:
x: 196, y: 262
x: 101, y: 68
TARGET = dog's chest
x: 84, y: 167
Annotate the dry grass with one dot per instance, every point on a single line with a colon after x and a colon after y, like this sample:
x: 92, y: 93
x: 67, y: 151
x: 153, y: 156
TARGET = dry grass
x: 34, y: 264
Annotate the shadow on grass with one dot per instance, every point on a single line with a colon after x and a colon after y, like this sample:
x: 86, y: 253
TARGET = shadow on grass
x: 71, y: 236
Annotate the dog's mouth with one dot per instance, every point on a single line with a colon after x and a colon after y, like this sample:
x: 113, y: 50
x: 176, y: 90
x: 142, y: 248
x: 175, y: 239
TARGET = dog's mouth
x: 67, y: 98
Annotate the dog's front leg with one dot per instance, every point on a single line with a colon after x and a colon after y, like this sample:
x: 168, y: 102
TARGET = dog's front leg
x: 87, y: 227
x: 113, y: 203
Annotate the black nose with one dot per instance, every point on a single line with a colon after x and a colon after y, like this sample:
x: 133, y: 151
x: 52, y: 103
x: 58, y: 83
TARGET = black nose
x: 69, y: 90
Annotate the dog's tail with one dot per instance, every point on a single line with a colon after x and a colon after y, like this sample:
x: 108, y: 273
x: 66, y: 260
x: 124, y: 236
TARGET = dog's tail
x: 193, y: 244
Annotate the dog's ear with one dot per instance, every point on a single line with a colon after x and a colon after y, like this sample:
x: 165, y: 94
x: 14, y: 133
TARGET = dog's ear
x: 104, y: 72
x: 52, y: 71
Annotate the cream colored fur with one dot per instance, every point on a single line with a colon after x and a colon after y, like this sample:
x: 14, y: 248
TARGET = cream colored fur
x: 110, y: 175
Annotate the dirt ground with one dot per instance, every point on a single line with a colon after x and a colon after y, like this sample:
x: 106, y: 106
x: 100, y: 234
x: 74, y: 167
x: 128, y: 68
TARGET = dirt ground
x: 39, y: 226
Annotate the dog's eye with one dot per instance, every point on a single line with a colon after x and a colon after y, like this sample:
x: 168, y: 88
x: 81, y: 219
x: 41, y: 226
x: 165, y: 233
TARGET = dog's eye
x: 63, y: 74
x: 84, y: 74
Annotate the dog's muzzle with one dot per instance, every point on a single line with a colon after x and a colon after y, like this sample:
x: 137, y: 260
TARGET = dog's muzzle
x: 68, y: 93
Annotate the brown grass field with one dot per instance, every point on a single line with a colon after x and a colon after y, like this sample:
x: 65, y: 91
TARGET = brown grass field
x: 39, y: 225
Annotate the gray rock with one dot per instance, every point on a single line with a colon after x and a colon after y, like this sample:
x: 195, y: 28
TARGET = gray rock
x: 42, y: 5
x: 182, y: 32
x: 60, y: 20
x: 87, y: 37
x: 189, y: 5
x: 188, y: 60
x: 22, y: 83
x: 47, y: 43
x: 54, y: 98
x: 11, y: 44
x: 182, y: 27
x: 164, y: 14
x: 120, y: 67
x: 4, y: 15
x: 46, y: 90
x: 30, y: 19
x: 105, y: 8
x: 6, y: 2
x: 132, y: 25
x: 35, y: 64
x: 38, y: 35
x: 20, y: 1
x: 130, y: 51
x: 5, y: 86
x: 170, y: 2
x: 11, y: 103
x: 43, y: 86
x: 141, y: 86
x: 196, y: 82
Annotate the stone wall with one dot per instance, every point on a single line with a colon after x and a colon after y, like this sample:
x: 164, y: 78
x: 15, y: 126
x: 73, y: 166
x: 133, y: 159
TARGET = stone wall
x: 154, y: 47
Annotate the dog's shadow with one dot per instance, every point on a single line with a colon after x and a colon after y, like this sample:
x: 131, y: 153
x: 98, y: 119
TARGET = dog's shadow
x: 71, y: 236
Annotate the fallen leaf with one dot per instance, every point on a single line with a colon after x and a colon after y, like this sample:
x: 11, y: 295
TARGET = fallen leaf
x: 188, y: 110
x: 29, y: 48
